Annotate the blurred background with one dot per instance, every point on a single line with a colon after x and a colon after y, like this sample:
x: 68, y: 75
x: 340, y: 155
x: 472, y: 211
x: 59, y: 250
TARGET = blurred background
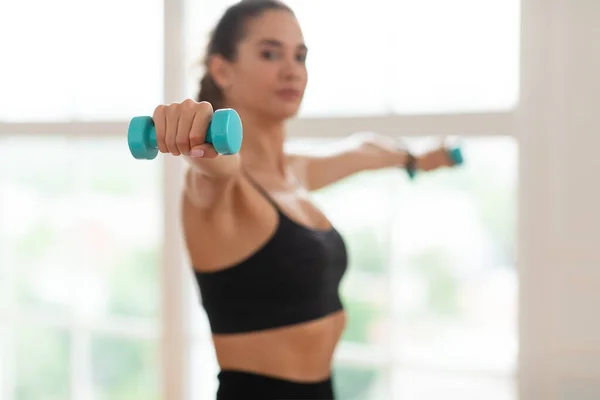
x: 474, y: 283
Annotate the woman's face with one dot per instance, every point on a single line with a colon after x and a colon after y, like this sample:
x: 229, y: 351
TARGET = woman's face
x: 269, y: 73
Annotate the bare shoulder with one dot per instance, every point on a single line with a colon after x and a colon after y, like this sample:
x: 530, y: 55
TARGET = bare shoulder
x: 221, y: 235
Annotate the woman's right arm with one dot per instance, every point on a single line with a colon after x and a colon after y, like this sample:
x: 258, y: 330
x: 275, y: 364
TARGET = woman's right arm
x: 181, y: 131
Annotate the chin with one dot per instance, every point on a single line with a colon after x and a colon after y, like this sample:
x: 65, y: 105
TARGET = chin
x: 283, y: 113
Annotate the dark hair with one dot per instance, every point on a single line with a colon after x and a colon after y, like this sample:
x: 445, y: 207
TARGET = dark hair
x: 224, y: 40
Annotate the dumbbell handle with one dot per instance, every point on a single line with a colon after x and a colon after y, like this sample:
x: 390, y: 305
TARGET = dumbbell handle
x: 455, y: 155
x: 150, y: 135
x: 224, y: 132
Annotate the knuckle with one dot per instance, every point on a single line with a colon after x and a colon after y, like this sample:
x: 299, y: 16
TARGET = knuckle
x: 160, y: 108
x: 172, y: 109
x: 182, y: 142
x: 188, y: 103
x: 204, y: 107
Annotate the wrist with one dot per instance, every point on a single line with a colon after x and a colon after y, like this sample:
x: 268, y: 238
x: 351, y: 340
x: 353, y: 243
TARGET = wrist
x: 411, y: 164
x: 401, y: 158
x: 405, y: 159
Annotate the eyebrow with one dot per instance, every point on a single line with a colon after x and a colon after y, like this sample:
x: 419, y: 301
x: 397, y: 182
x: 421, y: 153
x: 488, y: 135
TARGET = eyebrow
x: 277, y: 43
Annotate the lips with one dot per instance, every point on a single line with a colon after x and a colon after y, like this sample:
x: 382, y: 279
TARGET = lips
x: 290, y: 94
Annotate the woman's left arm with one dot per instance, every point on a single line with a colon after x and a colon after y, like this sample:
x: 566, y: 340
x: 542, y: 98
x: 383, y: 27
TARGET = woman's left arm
x: 357, y: 153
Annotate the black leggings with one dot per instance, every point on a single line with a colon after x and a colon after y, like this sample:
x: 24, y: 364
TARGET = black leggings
x: 238, y: 385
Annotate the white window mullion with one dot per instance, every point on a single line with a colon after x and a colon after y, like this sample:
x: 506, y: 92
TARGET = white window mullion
x: 76, y: 128
x: 478, y: 124
x: 78, y: 319
x: 8, y: 312
x: 175, y: 345
x: 482, y: 124
x: 80, y: 378
x: 7, y: 353
x: 394, y: 333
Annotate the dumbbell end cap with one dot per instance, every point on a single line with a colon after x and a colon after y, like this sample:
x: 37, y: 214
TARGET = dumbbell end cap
x: 456, y: 156
x: 138, y: 138
x: 226, y: 131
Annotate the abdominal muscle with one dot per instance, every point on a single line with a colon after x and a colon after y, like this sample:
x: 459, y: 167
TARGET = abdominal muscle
x: 302, y: 352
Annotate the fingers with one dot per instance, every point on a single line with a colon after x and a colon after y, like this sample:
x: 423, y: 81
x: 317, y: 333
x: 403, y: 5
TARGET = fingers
x: 203, y: 151
x: 173, y: 115
x: 181, y: 127
x: 437, y: 159
x: 202, y: 117
x: 182, y: 137
x: 160, y: 122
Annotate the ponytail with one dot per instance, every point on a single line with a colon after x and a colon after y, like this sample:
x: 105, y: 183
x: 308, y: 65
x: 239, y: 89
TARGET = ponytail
x: 210, y: 92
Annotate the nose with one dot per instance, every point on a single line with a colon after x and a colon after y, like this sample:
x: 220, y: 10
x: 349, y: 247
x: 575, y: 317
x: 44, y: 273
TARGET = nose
x: 291, y: 69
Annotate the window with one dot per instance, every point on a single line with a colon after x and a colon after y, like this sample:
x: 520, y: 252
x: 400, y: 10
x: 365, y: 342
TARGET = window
x: 80, y: 289
x: 423, y: 253
x: 431, y: 288
x: 455, y: 282
x: 80, y: 59
x: 81, y: 223
x: 432, y: 281
x: 410, y: 56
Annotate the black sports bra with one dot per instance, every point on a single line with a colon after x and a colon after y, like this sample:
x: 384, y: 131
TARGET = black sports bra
x: 294, y: 277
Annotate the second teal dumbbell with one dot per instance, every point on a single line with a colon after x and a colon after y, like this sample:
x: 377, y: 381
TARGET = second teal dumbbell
x: 454, y: 154
x: 224, y: 132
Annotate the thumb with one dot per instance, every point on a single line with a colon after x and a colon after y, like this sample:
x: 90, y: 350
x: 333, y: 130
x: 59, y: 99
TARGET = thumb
x: 204, y: 150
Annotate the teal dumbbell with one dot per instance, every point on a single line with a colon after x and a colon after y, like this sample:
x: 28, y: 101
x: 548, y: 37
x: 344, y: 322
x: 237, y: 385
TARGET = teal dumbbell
x: 454, y: 154
x: 224, y: 132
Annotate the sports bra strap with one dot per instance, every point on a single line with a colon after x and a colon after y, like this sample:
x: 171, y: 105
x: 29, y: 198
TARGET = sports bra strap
x: 261, y: 190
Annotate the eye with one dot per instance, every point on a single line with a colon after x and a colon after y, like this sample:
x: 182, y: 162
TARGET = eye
x: 301, y: 58
x: 268, y: 54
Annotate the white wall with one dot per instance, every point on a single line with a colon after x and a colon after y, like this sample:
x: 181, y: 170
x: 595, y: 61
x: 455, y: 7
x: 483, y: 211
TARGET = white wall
x: 560, y: 200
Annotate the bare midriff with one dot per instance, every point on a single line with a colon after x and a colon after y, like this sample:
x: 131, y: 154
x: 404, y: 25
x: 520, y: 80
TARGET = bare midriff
x: 302, y: 352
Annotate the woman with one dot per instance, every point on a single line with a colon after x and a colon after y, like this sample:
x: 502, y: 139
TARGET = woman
x: 267, y: 262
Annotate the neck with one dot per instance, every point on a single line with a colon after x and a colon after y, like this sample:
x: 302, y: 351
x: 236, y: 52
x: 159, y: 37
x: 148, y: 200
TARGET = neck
x: 262, y: 146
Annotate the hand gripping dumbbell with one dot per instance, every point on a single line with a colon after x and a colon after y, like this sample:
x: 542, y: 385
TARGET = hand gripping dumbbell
x: 224, y: 133
x: 454, y: 155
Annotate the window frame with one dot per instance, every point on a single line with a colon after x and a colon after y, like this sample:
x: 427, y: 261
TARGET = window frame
x: 174, y: 332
